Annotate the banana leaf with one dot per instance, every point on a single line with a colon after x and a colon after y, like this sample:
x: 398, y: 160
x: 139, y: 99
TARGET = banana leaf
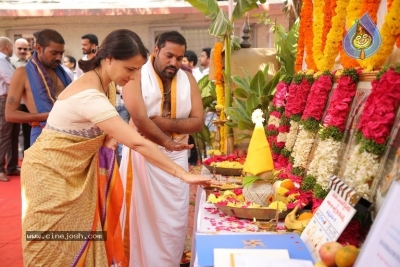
x: 240, y: 92
x: 257, y: 84
x: 220, y: 26
x: 209, y: 8
x: 241, y: 82
x: 243, y: 6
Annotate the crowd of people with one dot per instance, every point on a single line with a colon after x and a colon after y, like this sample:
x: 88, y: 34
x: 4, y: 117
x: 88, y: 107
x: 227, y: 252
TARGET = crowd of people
x: 70, y: 177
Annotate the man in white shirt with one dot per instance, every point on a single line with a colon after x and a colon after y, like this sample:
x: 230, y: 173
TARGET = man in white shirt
x: 190, y: 61
x: 205, y: 60
x: 6, y: 128
x: 21, y: 47
x: 89, y: 45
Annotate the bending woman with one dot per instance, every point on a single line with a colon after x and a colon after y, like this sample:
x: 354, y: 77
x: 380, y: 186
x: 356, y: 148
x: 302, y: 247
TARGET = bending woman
x: 68, y: 178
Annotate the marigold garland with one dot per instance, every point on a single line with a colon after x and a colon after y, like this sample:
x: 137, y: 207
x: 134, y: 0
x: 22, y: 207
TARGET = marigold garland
x: 329, y: 11
x: 218, y: 75
x: 389, y: 5
x: 308, y: 16
x: 318, y: 24
x: 326, y: 60
x: 300, y: 42
x: 389, y: 32
x: 370, y: 6
x: 219, y: 88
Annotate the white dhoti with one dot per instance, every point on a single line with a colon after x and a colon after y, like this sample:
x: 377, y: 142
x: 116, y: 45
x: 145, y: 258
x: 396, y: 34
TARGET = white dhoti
x: 155, y: 212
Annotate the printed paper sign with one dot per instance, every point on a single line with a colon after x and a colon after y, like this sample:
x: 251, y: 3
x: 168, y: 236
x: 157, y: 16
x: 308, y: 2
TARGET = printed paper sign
x: 328, y: 223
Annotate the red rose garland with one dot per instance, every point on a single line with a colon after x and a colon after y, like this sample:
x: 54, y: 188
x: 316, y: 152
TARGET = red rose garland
x: 275, y: 117
x: 373, y: 130
x: 327, y: 152
x: 310, y: 122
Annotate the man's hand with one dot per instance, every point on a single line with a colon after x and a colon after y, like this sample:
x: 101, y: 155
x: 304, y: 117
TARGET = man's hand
x: 170, y: 145
x: 159, y: 121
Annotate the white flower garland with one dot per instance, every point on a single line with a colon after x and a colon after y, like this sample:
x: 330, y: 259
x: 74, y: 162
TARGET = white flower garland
x: 274, y: 121
x: 302, y: 147
x: 282, y: 137
x: 325, y: 160
x: 360, y: 170
x: 292, y: 135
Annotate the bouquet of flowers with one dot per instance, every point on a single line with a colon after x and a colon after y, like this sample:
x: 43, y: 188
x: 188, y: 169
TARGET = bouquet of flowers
x: 373, y: 130
x: 296, y: 102
x: 327, y: 153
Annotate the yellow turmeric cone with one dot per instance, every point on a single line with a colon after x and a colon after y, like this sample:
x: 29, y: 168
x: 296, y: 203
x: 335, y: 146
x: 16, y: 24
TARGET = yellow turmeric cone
x: 259, y: 157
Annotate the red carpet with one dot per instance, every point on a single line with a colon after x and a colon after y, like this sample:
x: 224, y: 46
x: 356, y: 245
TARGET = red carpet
x: 10, y: 223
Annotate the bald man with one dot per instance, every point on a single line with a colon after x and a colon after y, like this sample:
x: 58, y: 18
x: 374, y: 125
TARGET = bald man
x: 6, y: 72
x: 21, y: 47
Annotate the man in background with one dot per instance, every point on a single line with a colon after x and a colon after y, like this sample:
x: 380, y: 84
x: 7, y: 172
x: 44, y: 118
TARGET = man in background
x: 38, y: 83
x: 21, y: 48
x: 69, y: 64
x: 205, y: 60
x: 190, y: 61
x: 6, y: 128
x: 89, y: 45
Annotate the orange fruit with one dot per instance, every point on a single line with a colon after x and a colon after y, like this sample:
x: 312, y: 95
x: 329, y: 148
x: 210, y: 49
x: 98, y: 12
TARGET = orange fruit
x: 288, y: 184
x: 346, y: 256
x: 305, y: 216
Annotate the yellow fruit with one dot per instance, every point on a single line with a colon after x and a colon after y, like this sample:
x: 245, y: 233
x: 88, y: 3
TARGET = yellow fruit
x: 281, y: 191
x: 346, y: 256
x: 288, y: 184
x: 305, y: 216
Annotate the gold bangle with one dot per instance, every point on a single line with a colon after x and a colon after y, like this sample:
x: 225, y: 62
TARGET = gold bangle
x: 180, y: 175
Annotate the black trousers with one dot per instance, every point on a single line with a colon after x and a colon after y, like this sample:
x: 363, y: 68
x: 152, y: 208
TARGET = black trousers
x: 26, y: 130
x: 193, y: 157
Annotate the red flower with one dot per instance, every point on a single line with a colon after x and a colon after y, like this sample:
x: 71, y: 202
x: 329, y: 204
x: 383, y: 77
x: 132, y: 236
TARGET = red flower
x: 280, y: 94
x: 297, y: 98
x: 276, y: 114
x: 380, y: 108
x: 340, y: 103
x: 318, y: 97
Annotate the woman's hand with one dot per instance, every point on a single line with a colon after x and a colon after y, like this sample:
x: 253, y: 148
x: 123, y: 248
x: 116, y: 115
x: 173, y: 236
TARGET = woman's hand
x: 175, y: 146
x: 110, y: 142
x: 197, y: 179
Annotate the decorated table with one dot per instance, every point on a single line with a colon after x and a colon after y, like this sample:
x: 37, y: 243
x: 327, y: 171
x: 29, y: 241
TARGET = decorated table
x: 211, y: 222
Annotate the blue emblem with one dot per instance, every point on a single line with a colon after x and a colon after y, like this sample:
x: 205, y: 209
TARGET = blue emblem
x: 363, y: 39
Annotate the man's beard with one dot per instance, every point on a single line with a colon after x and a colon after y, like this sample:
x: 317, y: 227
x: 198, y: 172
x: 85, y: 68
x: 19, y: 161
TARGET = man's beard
x: 166, y: 74
x: 86, y: 52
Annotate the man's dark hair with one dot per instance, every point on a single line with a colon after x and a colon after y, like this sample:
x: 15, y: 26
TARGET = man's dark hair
x: 48, y: 35
x: 191, y: 56
x: 92, y: 38
x: 36, y: 34
x: 207, y: 50
x: 170, y: 36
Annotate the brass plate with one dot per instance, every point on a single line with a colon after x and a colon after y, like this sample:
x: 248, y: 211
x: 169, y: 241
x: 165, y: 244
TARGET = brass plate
x: 251, y: 213
x: 224, y: 171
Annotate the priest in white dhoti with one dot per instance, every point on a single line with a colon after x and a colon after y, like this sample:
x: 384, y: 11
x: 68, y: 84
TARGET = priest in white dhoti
x: 165, y: 106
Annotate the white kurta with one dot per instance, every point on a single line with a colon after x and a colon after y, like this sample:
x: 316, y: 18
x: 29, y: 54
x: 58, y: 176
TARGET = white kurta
x: 159, y: 202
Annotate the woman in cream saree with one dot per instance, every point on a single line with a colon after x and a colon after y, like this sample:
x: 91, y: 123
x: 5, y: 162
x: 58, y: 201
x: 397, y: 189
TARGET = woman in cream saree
x: 70, y: 181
